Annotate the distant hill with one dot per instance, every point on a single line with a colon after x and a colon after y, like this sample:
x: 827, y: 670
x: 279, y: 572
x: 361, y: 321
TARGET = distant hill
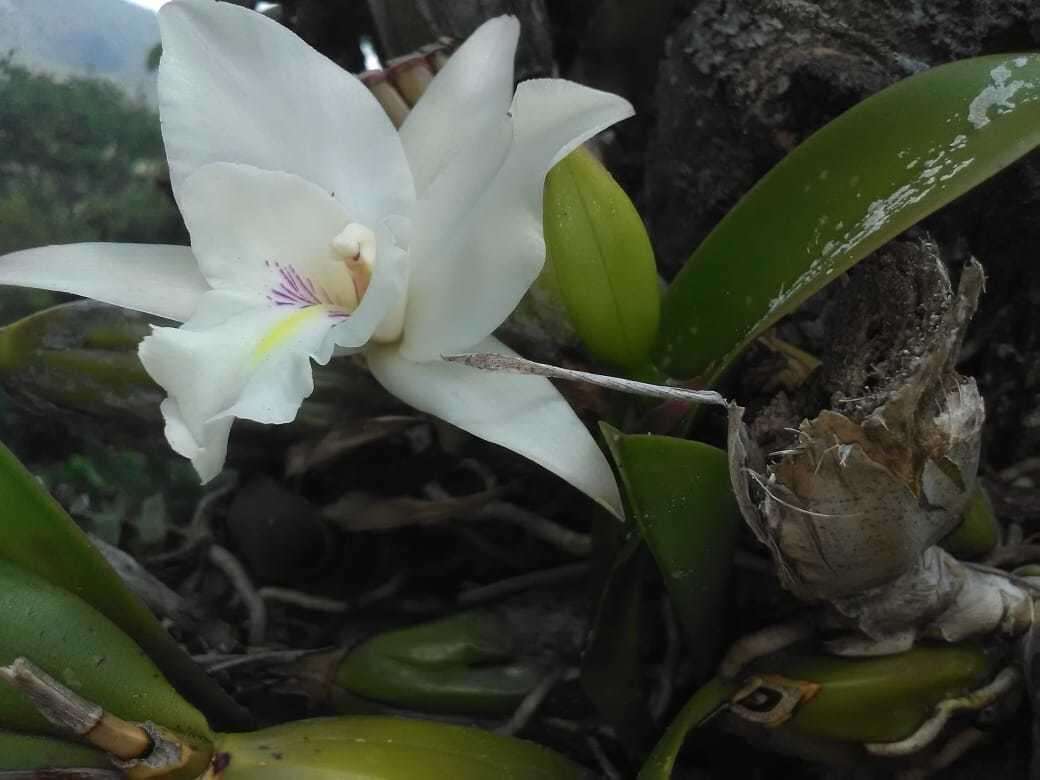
x: 107, y: 38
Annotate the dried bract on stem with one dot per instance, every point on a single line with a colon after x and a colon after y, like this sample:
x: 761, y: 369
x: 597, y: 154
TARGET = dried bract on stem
x: 851, y: 511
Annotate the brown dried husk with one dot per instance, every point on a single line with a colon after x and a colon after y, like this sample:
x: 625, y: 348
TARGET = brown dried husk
x: 852, y: 511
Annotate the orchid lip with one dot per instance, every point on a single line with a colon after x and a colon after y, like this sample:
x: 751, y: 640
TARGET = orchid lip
x: 299, y: 291
x: 341, y: 287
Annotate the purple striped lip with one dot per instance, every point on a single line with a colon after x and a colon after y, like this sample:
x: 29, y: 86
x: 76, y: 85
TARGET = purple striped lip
x: 296, y: 290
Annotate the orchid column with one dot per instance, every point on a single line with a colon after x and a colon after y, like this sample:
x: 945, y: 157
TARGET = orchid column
x: 317, y: 228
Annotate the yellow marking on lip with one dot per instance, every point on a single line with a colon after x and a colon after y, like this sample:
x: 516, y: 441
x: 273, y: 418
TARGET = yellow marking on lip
x: 284, y: 330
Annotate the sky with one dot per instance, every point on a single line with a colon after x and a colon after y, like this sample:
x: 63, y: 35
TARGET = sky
x: 371, y: 60
x: 152, y: 5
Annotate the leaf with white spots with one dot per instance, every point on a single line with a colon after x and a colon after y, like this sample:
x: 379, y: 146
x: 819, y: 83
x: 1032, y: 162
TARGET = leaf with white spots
x: 855, y: 184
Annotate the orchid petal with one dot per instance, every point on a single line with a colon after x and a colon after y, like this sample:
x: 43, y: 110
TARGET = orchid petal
x: 207, y: 455
x: 270, y: 234
x: 523, y: 413
x: 153, y: 278
x: 246, y: 223
x: 471, y: 93
x: 474, y: 258
x: 236, y: 86
x: 238, y: 357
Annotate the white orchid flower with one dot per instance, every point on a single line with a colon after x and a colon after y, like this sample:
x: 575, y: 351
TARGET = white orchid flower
x: 317, y: 227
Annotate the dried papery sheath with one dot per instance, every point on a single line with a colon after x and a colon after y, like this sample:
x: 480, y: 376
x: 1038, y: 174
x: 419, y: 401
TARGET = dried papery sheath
x: 379, y: 84
x: 851, y: 509
x: 143, y: 749
x: 437, y: 53
x: 411, y: 75
x: 940, y: 597
x: 399, y: 86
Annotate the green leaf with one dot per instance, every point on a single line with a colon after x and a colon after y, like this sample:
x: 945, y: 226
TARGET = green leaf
x: 611, y: 670
x: 701, y: 706
x: 852, y: 186
x: 25, y: 752
x: 679, y: 493
x: 38, y: 536
x: 80, y: 356
x: 879, y: 699
x: 84, y: 650
x: 979, y: 530
x: 462, y: 664
x: 379, y: 748
x: 859, y: 699
x: 600, y: 261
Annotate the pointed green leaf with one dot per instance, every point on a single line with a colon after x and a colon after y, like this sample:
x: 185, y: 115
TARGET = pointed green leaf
x: 84, y: 650
x: 611, y: 669
x: 679, y: 493
x: 701, y: 706
x: 464, y: 664
x: 600, y: 262
x: 855, y: 184
x: 38, y: 536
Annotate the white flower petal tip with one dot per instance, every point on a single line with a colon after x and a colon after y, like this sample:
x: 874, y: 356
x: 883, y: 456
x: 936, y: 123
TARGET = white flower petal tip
x: 237, y: 87
x: 476, y: 87
x: 207, y: 457
x: 479, y: 245
x: 525, y: 414
x: 555, y: 116
x: 152, y: 278
x: 236, y: 358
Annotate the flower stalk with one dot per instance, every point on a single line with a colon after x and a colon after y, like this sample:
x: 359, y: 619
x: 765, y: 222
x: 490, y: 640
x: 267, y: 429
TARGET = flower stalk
x: 511, y: 364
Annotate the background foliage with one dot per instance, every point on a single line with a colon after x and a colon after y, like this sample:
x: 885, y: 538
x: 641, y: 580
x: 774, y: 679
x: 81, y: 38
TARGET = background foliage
x: 79, y: 161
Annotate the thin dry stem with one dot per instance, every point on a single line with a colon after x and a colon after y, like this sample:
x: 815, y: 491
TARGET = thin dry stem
x: 489, y: 361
